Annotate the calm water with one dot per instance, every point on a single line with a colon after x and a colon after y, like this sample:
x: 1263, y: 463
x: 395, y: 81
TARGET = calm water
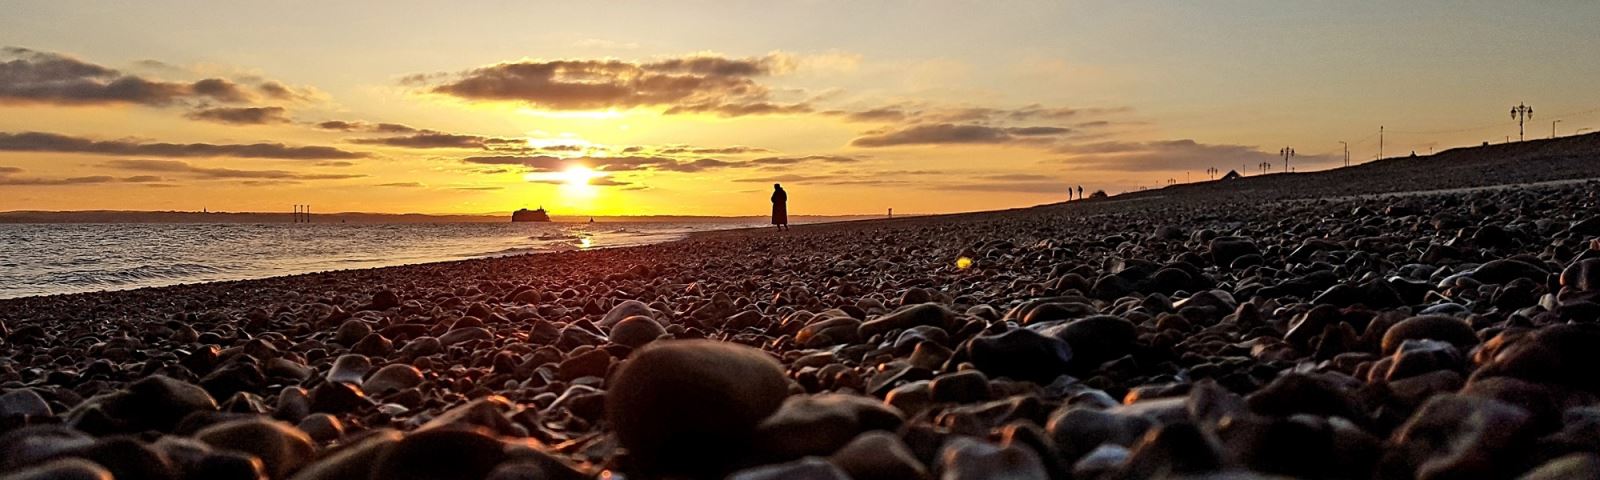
x: 43, y: 259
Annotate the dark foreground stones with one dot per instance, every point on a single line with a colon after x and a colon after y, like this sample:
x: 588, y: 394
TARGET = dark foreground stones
x: 1411, y: 337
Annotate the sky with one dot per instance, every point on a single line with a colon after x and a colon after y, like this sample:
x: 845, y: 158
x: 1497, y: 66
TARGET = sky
x: 698, y: 107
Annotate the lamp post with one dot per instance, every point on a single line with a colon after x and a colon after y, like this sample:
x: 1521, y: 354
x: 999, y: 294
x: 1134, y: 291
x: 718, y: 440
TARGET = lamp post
x: 1521, y: 113
x: 1346, y: 152
x: 1553, y: 128
x: 1288, y: 153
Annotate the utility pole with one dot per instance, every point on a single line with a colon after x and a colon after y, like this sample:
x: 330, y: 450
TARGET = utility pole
x: 1288, y: 153
x: 1553, y: 128
x: 1521, y: 112
x: 1380, y: 142
x: 1346, y: 152
x: 1211, y: 173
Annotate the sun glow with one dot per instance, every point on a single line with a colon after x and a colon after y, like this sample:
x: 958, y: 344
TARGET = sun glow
x: 578, y: 176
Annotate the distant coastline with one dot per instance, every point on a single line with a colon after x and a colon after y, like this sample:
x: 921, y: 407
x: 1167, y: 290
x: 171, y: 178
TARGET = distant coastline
x: 125, y: 216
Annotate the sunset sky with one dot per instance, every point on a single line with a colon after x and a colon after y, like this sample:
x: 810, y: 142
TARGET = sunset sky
x: 698, y: 107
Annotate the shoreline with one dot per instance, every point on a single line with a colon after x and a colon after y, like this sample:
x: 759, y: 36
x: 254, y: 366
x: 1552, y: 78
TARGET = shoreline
x: 1112, y: 202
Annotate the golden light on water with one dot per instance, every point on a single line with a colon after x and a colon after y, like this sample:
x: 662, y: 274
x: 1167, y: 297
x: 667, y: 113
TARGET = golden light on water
x: 585, y: 243
x: 963, y: 263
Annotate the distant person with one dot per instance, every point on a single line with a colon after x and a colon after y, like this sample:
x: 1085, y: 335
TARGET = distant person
x: 1080, y: 192
x: 780, y: 207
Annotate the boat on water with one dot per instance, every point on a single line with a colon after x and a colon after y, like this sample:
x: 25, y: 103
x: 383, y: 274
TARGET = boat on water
x: 525, y: 215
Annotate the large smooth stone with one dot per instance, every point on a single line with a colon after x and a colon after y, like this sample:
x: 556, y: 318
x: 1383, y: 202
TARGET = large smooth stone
x: 878, y: 455
x: 932, y: 314
x: 806, y: 469
x: 1097, y: 339
x: 965, y: 458
x: 1455, y: 436
x: 628, y: 308
x: 352, y: 461
x: 467, y: 334
x: 1433, y: 327
x: 23, y: 403
x: 283, y: 448
x: 691, y: 406
x: 63, y: 469
x: 635, y: 331
x: 350, y: 368
x: 1565, y: 355
x: 440, y: 454
x: 1020, y: 354
x: 821, y: 424
x: 392, y: 378
x: 1077, y: 431
x: 156, y: 402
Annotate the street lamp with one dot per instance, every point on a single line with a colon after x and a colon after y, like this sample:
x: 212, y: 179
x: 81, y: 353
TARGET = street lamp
x: 1521, y: 112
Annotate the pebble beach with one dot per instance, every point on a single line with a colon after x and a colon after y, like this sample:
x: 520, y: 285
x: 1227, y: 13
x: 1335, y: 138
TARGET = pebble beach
x: 1429, y: 336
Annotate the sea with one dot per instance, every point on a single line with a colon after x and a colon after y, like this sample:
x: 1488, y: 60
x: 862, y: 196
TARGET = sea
x: 48, y: 259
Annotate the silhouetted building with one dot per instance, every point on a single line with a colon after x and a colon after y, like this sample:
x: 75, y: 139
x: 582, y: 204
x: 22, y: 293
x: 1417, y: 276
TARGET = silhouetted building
x: 1232, y: 174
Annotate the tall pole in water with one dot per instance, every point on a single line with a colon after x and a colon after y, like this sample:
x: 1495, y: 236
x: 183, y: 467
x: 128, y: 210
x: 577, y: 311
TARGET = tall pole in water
x: 1521, y: 112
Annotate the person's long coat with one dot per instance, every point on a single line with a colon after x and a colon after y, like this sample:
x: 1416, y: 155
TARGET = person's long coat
x: 780, y: 207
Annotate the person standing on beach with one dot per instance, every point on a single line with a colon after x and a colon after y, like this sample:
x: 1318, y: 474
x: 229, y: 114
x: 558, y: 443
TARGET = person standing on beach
x: 780, y: 207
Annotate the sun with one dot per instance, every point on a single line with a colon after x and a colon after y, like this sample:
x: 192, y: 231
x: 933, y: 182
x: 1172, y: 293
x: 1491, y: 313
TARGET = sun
x: 578, y: 176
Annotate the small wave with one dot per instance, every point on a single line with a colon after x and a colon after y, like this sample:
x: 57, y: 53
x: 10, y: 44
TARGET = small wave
x: 508, y: 251
x: 137, y: 274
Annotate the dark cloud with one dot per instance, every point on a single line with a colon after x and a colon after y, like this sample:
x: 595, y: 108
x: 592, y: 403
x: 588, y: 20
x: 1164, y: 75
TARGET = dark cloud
x: 768, y: 161
x: 339, y: 125
x: 174, y: 166
x: 392, y: 128
x: 34, y: 77
x: 220, y: 90
x: 9, y: 170
x: 989, y: 116
x: 242, y: 115
x: 401, y: 185
x: 1007, y: 187
x: 858, y: 179
x: 946, y: 133
x: 477, y: 188
x: 1038, y: 131
x: 875, y: 115
x: 276, y: 90
x: 787, y: 178
x: 741, y: 109
x: 51, y: 142
x: 734, y: 150
x: 1169, y: 155
x: 1016, y: 177
x: 91, y: 180
x: 703, y: 83
x: 359, y: 126
x: 433, y: 139
x: 551, y: 163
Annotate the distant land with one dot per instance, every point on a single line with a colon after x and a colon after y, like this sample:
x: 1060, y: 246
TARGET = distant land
x: 127, y: 216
